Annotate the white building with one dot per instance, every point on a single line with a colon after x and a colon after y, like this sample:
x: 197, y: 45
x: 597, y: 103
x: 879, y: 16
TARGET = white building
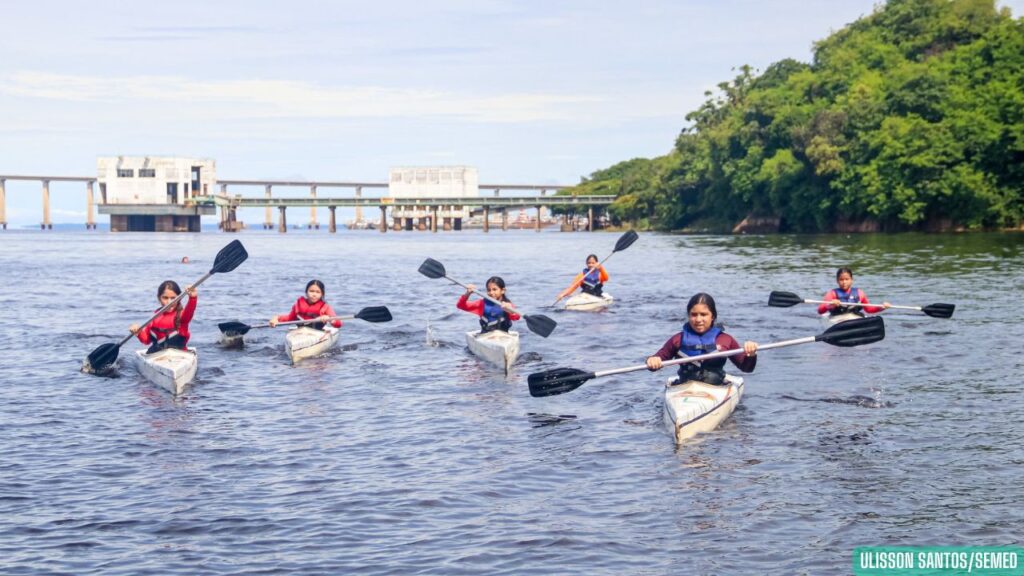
x: 153, y: 193
x: 412, y: 182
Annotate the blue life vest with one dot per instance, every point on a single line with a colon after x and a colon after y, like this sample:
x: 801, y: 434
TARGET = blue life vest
x: 591, y: 283
x: 693, y: 344
x: 494, y: 318
x: 853, y: 296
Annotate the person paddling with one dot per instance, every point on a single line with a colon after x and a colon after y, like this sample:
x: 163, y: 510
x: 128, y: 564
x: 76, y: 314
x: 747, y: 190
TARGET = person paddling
x: 312, y: 306
x: 846, y: 293
x: 591, y: 280
x: 492, y: 316
x: 700, y: 336
x: 170, y: 329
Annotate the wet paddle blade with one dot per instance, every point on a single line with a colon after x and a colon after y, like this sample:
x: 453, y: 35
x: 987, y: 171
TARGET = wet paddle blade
x: 784, y: 299
x: 939, y: 310
x: 626, y: 241
x: 557, y: 381
x: 375, y: 314
x: 102, y: 357
x: 854, y: 332
x: 229, y: 258
x: 540, y: 325
x: 233, y: 328
x: 432, y: 269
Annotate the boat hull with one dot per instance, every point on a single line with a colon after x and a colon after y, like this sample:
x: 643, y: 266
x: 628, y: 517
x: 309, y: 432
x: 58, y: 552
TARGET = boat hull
x: 305, y: 342
x: 584, y: 302
x: 828, y: 320
x: 171, y: 368
x: 497, y: 347
x: 695, y: 407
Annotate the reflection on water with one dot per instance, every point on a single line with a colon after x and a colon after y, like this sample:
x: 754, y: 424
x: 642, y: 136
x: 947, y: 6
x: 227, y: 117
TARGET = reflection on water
x: 399, y: 450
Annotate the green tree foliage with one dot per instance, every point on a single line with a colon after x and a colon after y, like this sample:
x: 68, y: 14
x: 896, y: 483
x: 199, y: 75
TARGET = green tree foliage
x: 912, y: 117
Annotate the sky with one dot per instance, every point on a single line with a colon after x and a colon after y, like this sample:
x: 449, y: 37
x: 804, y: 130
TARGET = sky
x: 528, y: 92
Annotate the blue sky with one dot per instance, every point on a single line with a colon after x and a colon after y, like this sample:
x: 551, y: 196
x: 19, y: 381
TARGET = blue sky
x: 528, y: 92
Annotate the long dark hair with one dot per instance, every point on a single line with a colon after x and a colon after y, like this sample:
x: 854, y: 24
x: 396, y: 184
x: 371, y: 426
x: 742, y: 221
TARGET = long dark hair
x: 500, y: 283
x: 320, y: 285
x: 705, y: 299
x: 177, y: 292
x: 844, y: 269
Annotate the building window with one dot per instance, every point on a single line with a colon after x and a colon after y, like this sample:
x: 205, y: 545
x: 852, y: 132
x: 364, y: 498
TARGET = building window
x: 147, y: 172
x: 125, y: 173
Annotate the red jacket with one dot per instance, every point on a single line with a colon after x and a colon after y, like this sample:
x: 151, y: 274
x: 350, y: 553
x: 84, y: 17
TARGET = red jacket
x: 863, y: 299
x: 477, y: 307
x: 163, y: 325
x: 303, y: 310
x: 723, y: 342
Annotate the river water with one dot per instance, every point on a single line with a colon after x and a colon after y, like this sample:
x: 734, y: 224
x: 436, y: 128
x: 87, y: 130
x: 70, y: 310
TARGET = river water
x: 401, y: 453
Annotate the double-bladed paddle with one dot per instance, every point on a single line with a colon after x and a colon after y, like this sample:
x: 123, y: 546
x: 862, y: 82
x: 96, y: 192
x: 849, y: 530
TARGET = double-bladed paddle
x: 850, y: 333
x: 227, y: 260
x: 787, y: 299
x: 625, y: 241
x: 538, y: 323
x: 370, y: 314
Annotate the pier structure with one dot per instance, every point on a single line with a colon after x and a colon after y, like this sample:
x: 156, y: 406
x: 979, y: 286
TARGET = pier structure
x: 46, y: 223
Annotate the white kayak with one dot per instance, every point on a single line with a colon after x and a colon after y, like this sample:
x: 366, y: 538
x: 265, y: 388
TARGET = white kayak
x: 306, y: 342
x: 171, y: 368
x: 828, y: 320
x: 695, y: 407
x: 584, y: 302
x: 497, y: 347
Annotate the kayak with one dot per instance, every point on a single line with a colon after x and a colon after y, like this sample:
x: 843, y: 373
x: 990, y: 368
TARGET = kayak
x: 306, y: 342
x: 584, y: 302
x: 497, y: 347
x: 171, y: 368
x: 695, y: 407
x: 829, y: 320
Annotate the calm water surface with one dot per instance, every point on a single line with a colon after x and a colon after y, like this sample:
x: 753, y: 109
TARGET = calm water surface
x: 400, y: 453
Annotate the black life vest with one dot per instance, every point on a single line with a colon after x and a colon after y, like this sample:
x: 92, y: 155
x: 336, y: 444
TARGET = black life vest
x: 692, y: 344
x: 853, y: 296
x: 494, y: 318
x: 592, y: 281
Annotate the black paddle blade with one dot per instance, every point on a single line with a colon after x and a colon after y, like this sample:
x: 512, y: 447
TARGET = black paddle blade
x: 101, y: 357
x: 557, y: 381
x: 854, y: 332
x: 939, y: 310
x: 432, y: 269
x: 784, y: 299
x: 233, y: 328
x: 626, y: 241
x: 540, y: 325
x: 229, y: 258
x: 375, y: 314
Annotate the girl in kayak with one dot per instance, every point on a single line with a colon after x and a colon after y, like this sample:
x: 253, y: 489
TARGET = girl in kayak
x: 310, y: 307
x: 700, y: 336
x: 846, y: 293
x: 170, y: 329
x: 492, y: 316
x: 591, y: 279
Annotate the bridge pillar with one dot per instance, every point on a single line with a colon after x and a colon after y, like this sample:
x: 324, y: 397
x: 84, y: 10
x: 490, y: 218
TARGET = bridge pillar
x: 433, y: 219
x: 313, y: 224
x: 536, y: 225
x: 334, y: 222
x: 3, y: 205
x: 359, y: 209
x: 590, y: 219
x: 504, y: 219
x: 47, y: 225
x: 282, y: 222
x: 383, y: 219
x: 487, y: 218
x: 268, y: 221
x: 90, y: 221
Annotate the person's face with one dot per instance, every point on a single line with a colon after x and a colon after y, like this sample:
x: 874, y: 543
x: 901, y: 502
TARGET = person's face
x: 167, y: 296
x: 314, y: 294
x: 591, y: 262
x: 700, y: 318
x: 495, y: 291
x: 845, y: 280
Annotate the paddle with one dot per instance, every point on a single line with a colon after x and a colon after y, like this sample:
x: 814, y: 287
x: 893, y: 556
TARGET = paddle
x: 625, y: 241
x: 849, y: 333
x: 787, y: 299
x: 538, y: 323
x: 227, y: 260
x: 370, y: 314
